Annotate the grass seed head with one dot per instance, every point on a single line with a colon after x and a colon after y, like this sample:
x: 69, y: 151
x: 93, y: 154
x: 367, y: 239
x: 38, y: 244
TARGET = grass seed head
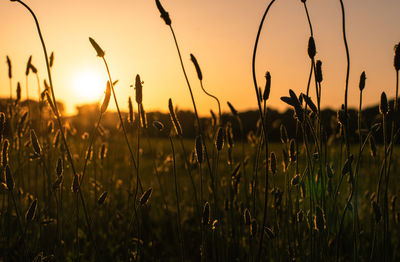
x: 9, y: 67
x: 273, y: 163
x: 196, y: 65
x: 102, y: 198
x: 219, y: 141
x: 164, y: 14
x: 100, y: 52
x: 284, y: 135
x: 146, y: 196
x: 267, y: 88
x: 318, y: 71
x: 199, y: 149
x: 51, y: 62
x: 143, y: 117
x: 174, y: 118
x: 233, y: 110
x: 159, y: 125
x: 362, y: 81
x: 28, y: 66
x: 103, y: 152
x: 206, y: 214
x: 139, y: 90
x: 131, y: 115
x: 397, y: 57
x: 35, y: 143
x: 311, y: 47
x: 9, y: 179
x: 383, y: 106
x: 4, y: 153
x: 107, y: 97
x: 18, y: 92
x: 30, y: 214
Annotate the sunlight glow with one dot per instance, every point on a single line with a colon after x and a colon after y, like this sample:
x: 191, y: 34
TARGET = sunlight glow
x: 89, y: 85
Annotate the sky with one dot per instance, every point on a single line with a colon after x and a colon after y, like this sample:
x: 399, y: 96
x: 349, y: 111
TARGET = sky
x: 220, y: 33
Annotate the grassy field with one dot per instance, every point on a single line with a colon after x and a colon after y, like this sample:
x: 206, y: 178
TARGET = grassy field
x: 123, y: 195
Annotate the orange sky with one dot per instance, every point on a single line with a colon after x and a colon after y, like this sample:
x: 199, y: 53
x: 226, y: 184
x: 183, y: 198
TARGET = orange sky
x: 221, y: 34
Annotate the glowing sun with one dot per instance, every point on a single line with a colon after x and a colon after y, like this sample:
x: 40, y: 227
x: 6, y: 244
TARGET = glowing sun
x: 89, y: 85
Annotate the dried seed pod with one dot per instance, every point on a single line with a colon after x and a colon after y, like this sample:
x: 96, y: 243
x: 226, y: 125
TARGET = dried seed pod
x: 273, y: 163
x: 196, y: 65
x: 146, y: 196
x: 362, y: 81
x: 35, y: 143
x: 199, y: 149
x: 102, y: 198
x: 206, y: 214
x: 9, y: 67
x: 246, y: 217
x: 18, y: 92
x: 318, y: 71
x: 107, y: 97
x: 267, y: 89
x: 30, y: 214
x: 9, y: 179
x: 164, y: 14
x: 219, y: 141
x: 311, y: 47
x: 174, y: 118
x: 100, y: 52
x: 383, y: 106
x: 233, y: 110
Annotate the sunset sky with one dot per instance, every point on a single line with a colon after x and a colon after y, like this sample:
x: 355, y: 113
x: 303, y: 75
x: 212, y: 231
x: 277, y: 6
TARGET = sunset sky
x: 220, y: 34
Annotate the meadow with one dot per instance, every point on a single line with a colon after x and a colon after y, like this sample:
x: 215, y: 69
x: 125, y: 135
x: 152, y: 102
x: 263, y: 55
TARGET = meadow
x: 323, y: 192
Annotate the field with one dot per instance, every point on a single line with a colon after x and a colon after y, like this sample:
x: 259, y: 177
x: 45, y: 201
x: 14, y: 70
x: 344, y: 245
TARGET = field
x: 146, y: 190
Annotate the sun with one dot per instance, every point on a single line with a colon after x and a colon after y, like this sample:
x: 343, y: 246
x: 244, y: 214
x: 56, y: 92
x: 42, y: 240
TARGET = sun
x: 89, y: 85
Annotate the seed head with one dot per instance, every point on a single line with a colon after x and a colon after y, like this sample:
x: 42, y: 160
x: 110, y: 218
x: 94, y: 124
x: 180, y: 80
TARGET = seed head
x: 35, y: 143
x: 9, y: 67
x: 75, y: 184
x: 164, y: 14
x: 107, y: 97
x: 362, y: 81
x: 174, y: 119
x: 4, y: 156
x: 131, y: 118
x: 206, y: 214
x: 229, y: 135
x: 100, y: 52
x: 233, y: 110
x: 273, y: 163
x: 30, y: 214
x: 102, y: 198
x: 267, y: 89
x: 103, y: 151
x: 383, y: 106
x: 318, y: 71
x: 146, y: 196
x: 199, y: 149
x: 219, y: 141
x: 18, y: 92
x: 196, y: 65
x: 397, y: 57
x: 138, y: 89
x: 311, y: 47
x: 28, y: 66
x: 51, y: 59
x: 9, y: 179
x: 143, y: 117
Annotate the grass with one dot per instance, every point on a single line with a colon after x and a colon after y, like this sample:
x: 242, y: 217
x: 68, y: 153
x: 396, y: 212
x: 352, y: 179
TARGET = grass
x: 319, y: 198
